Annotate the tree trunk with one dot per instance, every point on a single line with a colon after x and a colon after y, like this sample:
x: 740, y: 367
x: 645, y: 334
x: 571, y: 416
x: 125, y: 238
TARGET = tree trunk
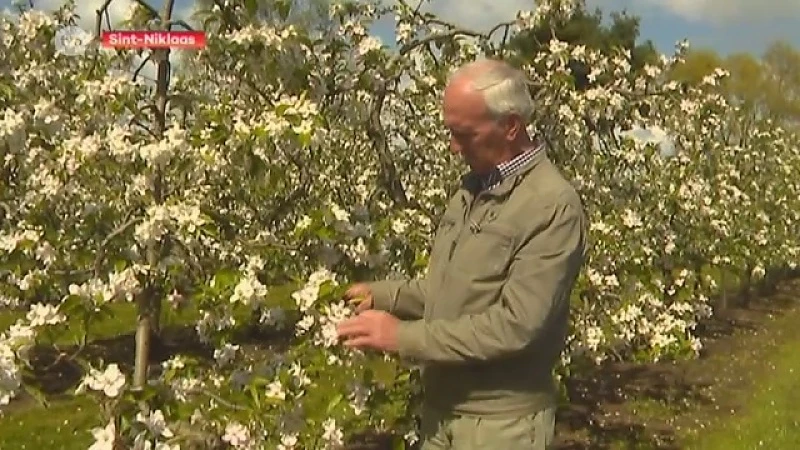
x: 149, y: 314
x: 747, y: 282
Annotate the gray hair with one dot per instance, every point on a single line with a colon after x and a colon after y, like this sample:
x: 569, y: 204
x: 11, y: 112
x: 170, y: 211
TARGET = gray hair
x: 503, y: 87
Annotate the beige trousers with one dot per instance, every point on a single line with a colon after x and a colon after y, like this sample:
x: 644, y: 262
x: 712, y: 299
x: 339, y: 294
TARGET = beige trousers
x: 446, y: 432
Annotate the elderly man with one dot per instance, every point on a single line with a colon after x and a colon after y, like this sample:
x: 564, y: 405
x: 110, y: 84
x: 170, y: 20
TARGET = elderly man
x: 489, y: 320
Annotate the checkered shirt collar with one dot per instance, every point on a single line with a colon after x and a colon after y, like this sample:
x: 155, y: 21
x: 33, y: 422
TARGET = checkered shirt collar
x: 509, y: 168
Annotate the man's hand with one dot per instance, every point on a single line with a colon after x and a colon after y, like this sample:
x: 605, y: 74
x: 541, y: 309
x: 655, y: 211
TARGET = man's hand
x: 362, y: 294
x: 370, y: 329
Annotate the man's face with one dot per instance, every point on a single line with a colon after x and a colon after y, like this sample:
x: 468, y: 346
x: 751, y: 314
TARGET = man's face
x: 474, y: 134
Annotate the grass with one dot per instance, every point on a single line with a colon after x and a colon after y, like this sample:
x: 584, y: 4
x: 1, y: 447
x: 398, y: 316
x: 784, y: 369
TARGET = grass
x: 121, y: 320
x: 64, y: 425
x: 769, y: 416
x: 761, y: 413
x: 65, y: 422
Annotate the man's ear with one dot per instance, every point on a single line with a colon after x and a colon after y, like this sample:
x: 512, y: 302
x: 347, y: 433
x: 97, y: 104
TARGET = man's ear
x: 513, y: 126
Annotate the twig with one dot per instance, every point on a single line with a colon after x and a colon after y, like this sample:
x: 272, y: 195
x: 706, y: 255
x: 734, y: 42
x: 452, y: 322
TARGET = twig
x: 99, y: 22
x: 375, y: 128
x: 290, y: 200
x: 149, y: 106
x: 135, y: 121
x: 71, y: 273
x: 108, y: 19
x: 419, y: 5
x: 504, y: 41
x: 153, y: 12
x: 433, y: 57
x: 228, y: 19
x: 273, y: 244
x: 253, y: 86
x: 6, y: 211
x: 141, y: 66
x: 64, y: 356
x: 181, y: 23
x: 222, y: 401
x: 188, y: 253
x: 101, y: 252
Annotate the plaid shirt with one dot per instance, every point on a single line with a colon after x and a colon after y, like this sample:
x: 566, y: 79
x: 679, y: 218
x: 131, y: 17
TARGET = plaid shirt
x: 508, y: 168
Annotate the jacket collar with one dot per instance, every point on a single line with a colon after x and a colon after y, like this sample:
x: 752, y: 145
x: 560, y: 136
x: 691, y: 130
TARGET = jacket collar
x: 474, y: 183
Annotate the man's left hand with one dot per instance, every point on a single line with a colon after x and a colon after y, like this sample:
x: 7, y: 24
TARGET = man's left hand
x: 370, y: 329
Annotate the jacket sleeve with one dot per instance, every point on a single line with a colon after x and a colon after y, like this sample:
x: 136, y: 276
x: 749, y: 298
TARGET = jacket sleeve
x: 404, y: 299
x: 538, y: 288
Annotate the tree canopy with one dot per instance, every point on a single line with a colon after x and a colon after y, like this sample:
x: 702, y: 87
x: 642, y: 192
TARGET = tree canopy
x: 590, y: 28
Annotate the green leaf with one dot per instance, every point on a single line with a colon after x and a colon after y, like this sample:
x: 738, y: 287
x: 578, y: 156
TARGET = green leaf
x: 399, y: 443
x: 328, y: 290
x: 251, y: 6
x: 225, y: 278
x: 71, y: 305
x: 283, y: 7
x: 38, y: 395
x: 334, y: 403
x: 254, y: 394
x: 304, y: 139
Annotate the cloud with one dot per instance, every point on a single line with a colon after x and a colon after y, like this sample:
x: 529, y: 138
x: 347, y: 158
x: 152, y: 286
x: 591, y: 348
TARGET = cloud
x: 483, y: 14
x: 87, y: 10
x: 479, y: 15
x: 727, y: 11
x: 117, y: 10
x: 726, y: 25
x: 185, y: 9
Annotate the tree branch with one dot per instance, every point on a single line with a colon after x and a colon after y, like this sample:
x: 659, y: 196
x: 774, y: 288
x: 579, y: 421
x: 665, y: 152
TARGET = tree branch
x: 153, y: 12
x: 222, y: 401
x: 419, y: 6
x: 101, y: 252
x: 181, y: 23
x: 99, y: 18
x: 141, y: 66
x: 195, y: 266
x: 135, y: 121
x: 229, y: 20
x: 374, y: 126
x: 64, y: 356
x: 108, y: 18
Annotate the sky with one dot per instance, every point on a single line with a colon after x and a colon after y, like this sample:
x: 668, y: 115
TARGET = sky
x: 726, y: 26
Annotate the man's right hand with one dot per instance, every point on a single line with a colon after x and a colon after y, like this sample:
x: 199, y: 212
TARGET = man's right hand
x: 361, y: 294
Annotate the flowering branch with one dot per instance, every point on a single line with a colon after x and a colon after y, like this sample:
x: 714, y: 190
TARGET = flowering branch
x: 129, y: 221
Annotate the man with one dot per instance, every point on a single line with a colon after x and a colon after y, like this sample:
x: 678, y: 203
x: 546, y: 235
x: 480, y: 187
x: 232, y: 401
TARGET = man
x: 489, y: 320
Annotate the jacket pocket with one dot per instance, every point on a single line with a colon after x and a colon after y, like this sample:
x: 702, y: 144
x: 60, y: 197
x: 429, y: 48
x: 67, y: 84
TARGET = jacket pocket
x: 484, y: 254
